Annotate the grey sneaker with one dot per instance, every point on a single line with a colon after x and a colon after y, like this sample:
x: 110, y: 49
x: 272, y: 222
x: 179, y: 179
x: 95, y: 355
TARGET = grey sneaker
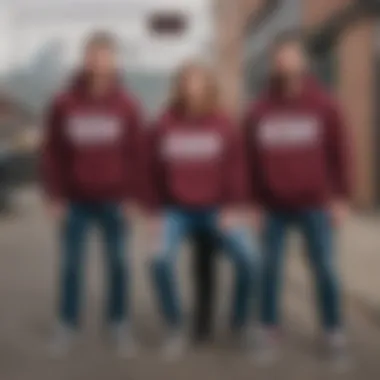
x: 175, y: 345
x: 266, y: 346
x: 245, y: 338
x: 64, y: 337
x: 336, y: 349
x: 123, y: 340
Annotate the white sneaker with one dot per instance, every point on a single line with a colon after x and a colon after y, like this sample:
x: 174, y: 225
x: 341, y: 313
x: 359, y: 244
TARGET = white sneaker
x: 336, y: 349
x: 63, y: 339
x: 266, y: 346
x: 175, y: 346
x: 123, y: 340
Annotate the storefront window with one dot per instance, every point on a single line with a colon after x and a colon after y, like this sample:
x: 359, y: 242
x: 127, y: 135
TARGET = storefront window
x: 325, y: 66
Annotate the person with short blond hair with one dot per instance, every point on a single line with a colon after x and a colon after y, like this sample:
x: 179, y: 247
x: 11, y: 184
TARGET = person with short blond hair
x: 90, y: 170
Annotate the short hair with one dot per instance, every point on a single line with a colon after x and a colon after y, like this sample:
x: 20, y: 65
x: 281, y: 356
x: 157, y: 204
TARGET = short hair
x: 101, y: 39
x: 288, y: 37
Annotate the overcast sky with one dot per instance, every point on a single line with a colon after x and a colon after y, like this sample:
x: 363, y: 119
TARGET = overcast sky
x: 33, y: 29
x: 32, y: 2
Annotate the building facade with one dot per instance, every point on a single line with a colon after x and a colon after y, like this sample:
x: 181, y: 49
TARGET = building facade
x: 347, y: 62
x: 354, y: 77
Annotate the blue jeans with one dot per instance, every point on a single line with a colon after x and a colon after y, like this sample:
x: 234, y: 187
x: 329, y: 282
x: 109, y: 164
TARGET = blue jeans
x: 180, y: 223
x: 316, y: 228
x: 109, y: 219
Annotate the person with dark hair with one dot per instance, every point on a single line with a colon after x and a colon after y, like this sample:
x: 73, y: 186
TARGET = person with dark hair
x: 90, y: 170
x: 300, y: 170
x: 196, y: 181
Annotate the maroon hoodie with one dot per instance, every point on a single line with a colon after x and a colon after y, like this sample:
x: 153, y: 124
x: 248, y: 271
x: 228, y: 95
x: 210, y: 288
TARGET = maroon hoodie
x: 298, y: 151
x: 195, y: 162
x: 91, y: 145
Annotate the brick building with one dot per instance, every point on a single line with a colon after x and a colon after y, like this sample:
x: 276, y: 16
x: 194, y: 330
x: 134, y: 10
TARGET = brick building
x: 341, y: 37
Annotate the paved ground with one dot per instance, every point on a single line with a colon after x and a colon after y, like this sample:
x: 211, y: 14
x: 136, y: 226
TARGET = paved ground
x: 28, y: 261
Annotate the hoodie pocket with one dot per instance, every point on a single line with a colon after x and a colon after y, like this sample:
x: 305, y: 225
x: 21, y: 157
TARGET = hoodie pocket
x: 98, y: 171
x: 293, y: 176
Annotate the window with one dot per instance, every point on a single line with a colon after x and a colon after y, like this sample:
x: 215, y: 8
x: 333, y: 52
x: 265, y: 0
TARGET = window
x: 256, y: 75
x: 325, y: 66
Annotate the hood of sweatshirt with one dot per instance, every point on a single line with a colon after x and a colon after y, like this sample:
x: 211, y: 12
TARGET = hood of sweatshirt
x: 310, y: 87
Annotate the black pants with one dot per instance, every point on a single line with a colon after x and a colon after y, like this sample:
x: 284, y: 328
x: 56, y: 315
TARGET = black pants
x: 204, y: 271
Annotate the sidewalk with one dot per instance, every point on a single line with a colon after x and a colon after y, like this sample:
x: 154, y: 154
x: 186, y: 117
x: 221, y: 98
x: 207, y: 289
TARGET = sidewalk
x: 28, y: 269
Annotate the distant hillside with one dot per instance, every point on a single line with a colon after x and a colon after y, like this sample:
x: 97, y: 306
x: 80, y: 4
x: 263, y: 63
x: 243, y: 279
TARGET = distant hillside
x: 34, y: 91
x: 33, y: 84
